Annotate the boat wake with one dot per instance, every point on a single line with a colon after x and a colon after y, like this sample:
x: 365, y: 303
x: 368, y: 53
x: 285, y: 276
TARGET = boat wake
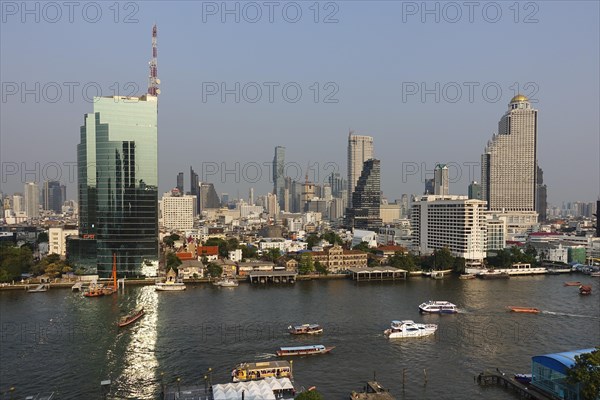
x: 570, y: 315
x: 265, y: 356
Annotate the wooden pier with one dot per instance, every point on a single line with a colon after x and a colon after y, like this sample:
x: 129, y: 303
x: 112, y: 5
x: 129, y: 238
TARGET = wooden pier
x: 372, y: 391
x: 377, y: 274
x: 509, y: 383
x: 272, y: 277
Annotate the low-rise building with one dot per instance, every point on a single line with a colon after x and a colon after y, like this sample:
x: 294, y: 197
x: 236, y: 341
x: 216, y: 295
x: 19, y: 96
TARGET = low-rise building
x: 57, y: 238
x: 244, y: 268
x: 337, y: 259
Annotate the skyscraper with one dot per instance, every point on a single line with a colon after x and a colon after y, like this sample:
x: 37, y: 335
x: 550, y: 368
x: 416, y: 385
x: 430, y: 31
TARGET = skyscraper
x: 195, y: 188
x: 508, y: 166
x: 366, y: 199
x: 52, y: 195
x: 118, y: 182
x: 180, y: 183
x: 32, y: 200
x: 541, y: 193
x: 440, y: 180
x: 278, y: 175
x: 360, y: 149
x: 475, y: 190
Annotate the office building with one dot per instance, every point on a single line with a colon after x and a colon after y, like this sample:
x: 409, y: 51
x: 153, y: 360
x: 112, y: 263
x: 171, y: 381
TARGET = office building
x: 52, y: 196
x: 541, y: 192
x: 32, y: 200
x: 360, y: 149
x: 440, y: 180
x: 180, y: 182
x: 278, y: 175
x: 178, y: 212
x: 475, y: 190
x: 366, y: 199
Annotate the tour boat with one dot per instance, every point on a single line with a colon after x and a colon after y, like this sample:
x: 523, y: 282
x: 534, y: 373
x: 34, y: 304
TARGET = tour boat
x: 96, y: 290
x: 523, y: 378
x: 303, y: 350
x: 585, y: 289
x: 493, y: 274
x: 573, y: 283
x: 467, y: 276
x: 306, y: 329
x: 226, y: 282
x: 531, y: 310
x: 171, y: 284
x: 522, y: 269
x: 438, y: 307
x: 595, y: 274
x: 261, y: 370
x: 408, y: 328
x: 132, y: 317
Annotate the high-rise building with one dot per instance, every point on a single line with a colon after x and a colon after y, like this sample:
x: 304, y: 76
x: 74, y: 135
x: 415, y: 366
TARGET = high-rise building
x: 366, y: 199
x: 440, y: 180
x: 429, y: 186
x: 177, y: 212
x: 278, y: 174
x: 360, y: 149
x: 32, y: 200
x: 541, y: 192
x: 475, y: 190
x: 195, y: 187
x: 180, y: 182
x: 224, y: 199
x: 52, y: 195
x: 18, y: 203
x: 117, y: 161
x: 251, y: 196
x: 208, y: 196
x: 508, y: 166
x: 337, y: 183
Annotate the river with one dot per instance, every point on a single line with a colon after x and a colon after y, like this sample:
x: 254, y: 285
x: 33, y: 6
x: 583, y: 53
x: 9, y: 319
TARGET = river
x: 60, y: 341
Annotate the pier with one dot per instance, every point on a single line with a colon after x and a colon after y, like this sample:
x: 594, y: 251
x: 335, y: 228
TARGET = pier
x: 272, y: 277
x: 372, y: 391
x: 509, y: 383
x: 377, y: 274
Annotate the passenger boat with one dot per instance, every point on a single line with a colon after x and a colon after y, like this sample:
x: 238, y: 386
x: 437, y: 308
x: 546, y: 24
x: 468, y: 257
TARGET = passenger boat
x: 522, y: 269
x: 467, y: 276
x: 226, y: 282
x: 132, y: 317
x: 408, y: 328
x: 523, y: 378
x: 573, y: 283
x: 97, y: 290
x: 595, y: 274
x: 306, y: 329
x: 585, y: 289
x: 303, y: 350
x: 531, y: 310
x: 438, y: 307
x: 171, y: 284
x: 493, y: 274
x: 260, y: 370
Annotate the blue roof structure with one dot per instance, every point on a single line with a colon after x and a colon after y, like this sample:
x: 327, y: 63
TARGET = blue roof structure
x: 560, y: 362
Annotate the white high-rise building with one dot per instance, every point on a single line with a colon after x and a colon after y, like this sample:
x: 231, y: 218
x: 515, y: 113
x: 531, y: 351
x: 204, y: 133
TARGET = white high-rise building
x: 440, y: 180
x: 360, y: 149
x: 32, y: 200
x: 508, y: 165
x: 455, y: 222
x: 177, y: 212
x: 57, y: 238
x: 18, y: 204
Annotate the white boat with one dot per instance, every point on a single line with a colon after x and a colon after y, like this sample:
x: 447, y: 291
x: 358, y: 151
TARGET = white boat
x: 172, y: 284
x: 38, y: 289
x: 522, y: 269
x: 226, y: 282
x: 438, y: 307
x: 408, y: 328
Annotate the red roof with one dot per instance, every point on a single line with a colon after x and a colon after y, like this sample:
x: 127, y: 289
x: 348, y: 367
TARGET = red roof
x: 184, y: 256
x: 208, y: 250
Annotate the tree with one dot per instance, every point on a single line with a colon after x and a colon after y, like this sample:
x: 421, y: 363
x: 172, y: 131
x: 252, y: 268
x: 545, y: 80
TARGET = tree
x: 362, y: 246
x: 309, y: 395
x: 171, y: 239
x: 320, y: 268
x: 42, y: 237
x: 586, y: 373
x: 14, y: 261
x: 173, y: 261
x: 332, y: 238
x: 273, y: 254
x: 459, y: 265
x: 248, y: 251
x: 442, y: 259
x: 214, y: 270
x: 312, y: 240
x: 403, y: 261
x: 306, y: 264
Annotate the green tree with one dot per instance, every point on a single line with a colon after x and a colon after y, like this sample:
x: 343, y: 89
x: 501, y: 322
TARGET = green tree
x: 320, y: 268
x: 459, y: 265
x: 273, y: 254
x: 442, y: 259
x: 332, y: 238
x: 309, y: 395
x: 312, y: 240
x: 403, y: 261
x: 14, y: 261
x: 362, y: 246
x: 214, y: 270
x: 222, y: 244
x: 171, y: 239
x: 586, y: 373
x: 172, y: 261
x: 42, y: 237
x: 306, y: 264
x: 248, y: 251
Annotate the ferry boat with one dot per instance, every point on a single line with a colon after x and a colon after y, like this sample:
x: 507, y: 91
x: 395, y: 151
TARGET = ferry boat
x: 303, y: 350
x: 261, y: 370
x: 306, y: 329
x: 467, y: 276
x: 132, y: 317
x: 408, y: 328
x: 577, y: 283
x: 523, y: 378
x: 522, y: 269
x: 226, y: 282
x: 531, y: 310
x: 98, y: 290
x: 171, y: 284
x: 438, y: 307
x: 585, y: 289
x: 493, y: 274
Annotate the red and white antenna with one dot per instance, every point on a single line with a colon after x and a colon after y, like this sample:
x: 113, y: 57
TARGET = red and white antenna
x: 153, y: 80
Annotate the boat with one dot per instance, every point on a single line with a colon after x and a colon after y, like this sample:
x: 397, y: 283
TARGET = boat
x: 226, y: 282
x: 572, y: 283
x: 531, y: 310
x: 493, y: 274
x: 438, y: 307
x: 39, y: 289
x: 303, y: 350
x: 467, y: 276
x: 523, y: 378
x: 171, y: 284
x: 99, y: 290
x: 522, y: 269
x: 131, y: 317
x: 306, y: 329
x: 437, y: 274
x: 261, y: 370
x: 595, y: 274
x: 408, y: 328
x: 585, y: 289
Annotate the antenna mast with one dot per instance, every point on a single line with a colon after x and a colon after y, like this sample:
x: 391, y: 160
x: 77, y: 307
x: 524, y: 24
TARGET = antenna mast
x: 153, y: 80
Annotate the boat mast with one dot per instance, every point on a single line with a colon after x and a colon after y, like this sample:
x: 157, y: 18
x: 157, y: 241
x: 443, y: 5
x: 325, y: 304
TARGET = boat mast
x: 114, y: 271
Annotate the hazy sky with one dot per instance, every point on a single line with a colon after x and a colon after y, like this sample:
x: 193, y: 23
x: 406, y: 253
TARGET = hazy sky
x: 428, y: 85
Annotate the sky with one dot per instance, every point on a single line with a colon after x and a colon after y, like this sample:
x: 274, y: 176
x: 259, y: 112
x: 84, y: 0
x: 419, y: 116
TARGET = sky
x: 429, y: 81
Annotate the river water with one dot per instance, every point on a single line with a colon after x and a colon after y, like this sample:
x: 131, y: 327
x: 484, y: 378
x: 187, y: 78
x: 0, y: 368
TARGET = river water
x: 60, y: 341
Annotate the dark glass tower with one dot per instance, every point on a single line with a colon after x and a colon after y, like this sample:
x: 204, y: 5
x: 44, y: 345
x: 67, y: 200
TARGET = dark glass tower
x: 118, y: 183
x: 180, y: 183
x: 366, y: 198
x: 278, y: 175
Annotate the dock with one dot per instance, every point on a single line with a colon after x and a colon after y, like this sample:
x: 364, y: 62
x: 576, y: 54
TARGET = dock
x: 272, y: 277
x: 509, y: 383
x: 372, y: 391
x: 377, y: 274
x: 77, y: 287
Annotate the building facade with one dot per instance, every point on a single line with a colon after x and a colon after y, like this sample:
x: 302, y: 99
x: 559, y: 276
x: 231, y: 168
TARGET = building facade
x: 360, y: 149
x: 57, y: 239
x: 440, y: 180
x: 32, y: 200
x: 336, y: 259
x: 366, y: 199
x: 278, y: 175
x: 455, y: 222
x: 117, y: 161
x: 177, y: 212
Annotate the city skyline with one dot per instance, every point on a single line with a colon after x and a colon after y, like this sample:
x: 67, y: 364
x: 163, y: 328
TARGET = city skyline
x: 403, y: 125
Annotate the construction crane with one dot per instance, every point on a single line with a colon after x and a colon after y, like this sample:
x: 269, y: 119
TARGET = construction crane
x: 153, y: 80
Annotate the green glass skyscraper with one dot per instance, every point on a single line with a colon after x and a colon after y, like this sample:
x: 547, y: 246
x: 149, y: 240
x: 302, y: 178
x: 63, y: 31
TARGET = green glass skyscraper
x: 118, y: 183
